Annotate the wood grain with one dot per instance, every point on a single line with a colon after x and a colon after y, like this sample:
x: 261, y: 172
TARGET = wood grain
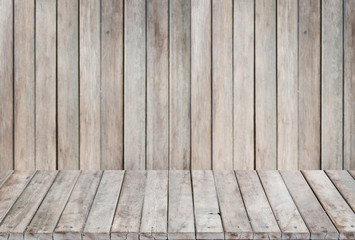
x: 287, y: 84
x: 89, y: 84
x: 332, y: 85
x: 179, y: 84
x: 201, y: 81
x: 157, y: 85
x: 134, y: 84
x: 24, y: 86
x: 243, y: 78
x: 6, y: 85
x: 265, y: 85
x: 112, y: 84
x: 68, y: 84
x: 4, y: 175
x: 349, y: 85
x: 309, y: 85
x: 46, y: 137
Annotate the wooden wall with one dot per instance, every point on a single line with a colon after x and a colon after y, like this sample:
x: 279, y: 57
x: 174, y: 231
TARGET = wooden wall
x: 179, y: 84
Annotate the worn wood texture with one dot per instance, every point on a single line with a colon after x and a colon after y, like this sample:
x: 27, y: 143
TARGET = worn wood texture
x: 134, y: 84
x: 201, y: 81
x: 45, y: 43
x: 6, y: 85
x: 337, y: 209
x: 89, y: 84
x: 68, y: 84
x: 157, y: 85
x: 222, y: 84
x: 4, y: 175
x: 112, y: 84
x: 332, y: 85
x: 179, y: 84
x: 24, y: 86
x: 352, y: 173
x: 309, y: 46
x: 349, y: 85
x: 243, y: 78
x: 207, y: 214
x: 265, y: 85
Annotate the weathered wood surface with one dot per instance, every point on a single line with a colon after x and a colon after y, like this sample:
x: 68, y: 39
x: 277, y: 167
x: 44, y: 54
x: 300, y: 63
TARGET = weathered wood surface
x: 4, y: 175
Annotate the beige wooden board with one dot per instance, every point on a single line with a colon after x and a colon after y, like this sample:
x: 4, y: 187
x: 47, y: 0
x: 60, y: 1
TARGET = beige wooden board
x: 201, y: 81
x: 157, y: 85
x: 260, y: 213
x: 265, y: 84
x: 4, y: 175
x: 155, y: 208
x: 179, y: 85
x: 289, y: 219
x: 21, y: 213
x: 68, y: 84
x: 112, y: 84
x: 72, y: 220
x: 222, y: 78
x: 349, y: 85
x: 181, y: 213
x: 337, y: 209
x: 243, y: 46
x: 345, y: 184
x: 332, y: 85
x: 12, y: 189
x: 99, y: 221
x: 89, y: 84
x: 235, y: 219
x: 309, y: 85
x: 134, y: 84
x: 45, y: 68
x: 24, y: 85
x: 317, y: 221
x: 127, y: 218
x: 352, y: 173
x: 207, y: 214
x: 287, y: 84
x: 6, y: 84
x: 46, y: 218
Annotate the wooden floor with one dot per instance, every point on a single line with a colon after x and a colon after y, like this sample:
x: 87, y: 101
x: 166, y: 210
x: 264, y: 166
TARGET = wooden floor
x: 177, y: 205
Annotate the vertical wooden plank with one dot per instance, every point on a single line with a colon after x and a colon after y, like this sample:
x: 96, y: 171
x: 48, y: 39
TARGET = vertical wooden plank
x: 181, y: 213
x: 285, y: 211
x: 68, y: 84
x: 201, y: 92
x: 98, y: 223
x: 345, y: 184
x: 243, y: 46
x: 287, y: 84
x: 332, y: 84
x: 155, y: 208
x: 112, y: 85
x: 349, y: 85
x: 157, y: 85
x: 20, y: 215
x: 12, y: 189
x: 46, y: 137
x: 309, y: 84
x: 46, y: 218
x: 179, y: 92
x: 72, y: 220
x: 235, y: 219
x: 207, y: 216
x: 265, y: 84
x: 260, y: 213
x: 134, y: 84
x: 24, y: 85
x: 89, y: 84
x: 318, y: 223
x: 4, y: 175
x: 222, y: 84
x: 6, y: 85
x: 127, y: 219
x: 338, y: 210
